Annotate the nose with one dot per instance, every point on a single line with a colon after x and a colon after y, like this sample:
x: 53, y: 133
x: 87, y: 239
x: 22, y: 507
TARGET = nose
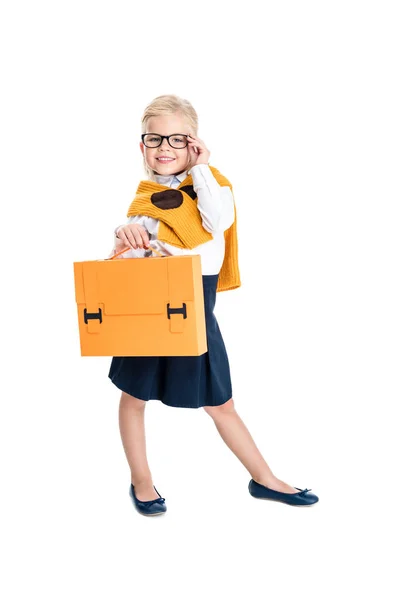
x: 164, y: 144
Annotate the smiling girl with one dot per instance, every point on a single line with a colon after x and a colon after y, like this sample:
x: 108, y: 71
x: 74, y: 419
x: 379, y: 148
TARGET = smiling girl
x: 176, y: 162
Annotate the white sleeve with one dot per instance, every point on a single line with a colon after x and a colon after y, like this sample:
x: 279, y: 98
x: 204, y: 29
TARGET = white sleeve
x: 215, y: 202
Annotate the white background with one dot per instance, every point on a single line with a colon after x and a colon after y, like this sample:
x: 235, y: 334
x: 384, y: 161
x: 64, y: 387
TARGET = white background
x: 298, y: 103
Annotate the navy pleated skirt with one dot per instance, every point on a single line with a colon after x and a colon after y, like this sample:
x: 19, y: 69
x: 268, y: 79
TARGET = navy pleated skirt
x: 181, y: 381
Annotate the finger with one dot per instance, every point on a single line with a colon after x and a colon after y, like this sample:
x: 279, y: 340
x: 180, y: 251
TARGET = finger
x: 196, y: 139
x: 198, y: 147
x: 123, y: 237
x: 141, y: 236
x: 134, y: 235
x: 195, y: 146
x: 131, y: 237
x: 137, y: 233
x: 145, y: 237
x: 138, y: 237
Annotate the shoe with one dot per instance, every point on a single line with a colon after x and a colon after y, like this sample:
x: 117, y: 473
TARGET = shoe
x: 300, y: 498
x: 148, y: 507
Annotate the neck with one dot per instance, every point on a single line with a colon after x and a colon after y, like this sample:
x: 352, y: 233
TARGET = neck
x: 169, y: 174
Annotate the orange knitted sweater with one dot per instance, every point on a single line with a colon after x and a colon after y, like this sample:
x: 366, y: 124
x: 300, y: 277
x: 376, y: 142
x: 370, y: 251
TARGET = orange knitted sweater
x: 181, y: 224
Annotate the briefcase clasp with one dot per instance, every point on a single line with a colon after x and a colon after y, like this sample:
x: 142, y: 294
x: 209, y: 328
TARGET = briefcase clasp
x: 176, y: 325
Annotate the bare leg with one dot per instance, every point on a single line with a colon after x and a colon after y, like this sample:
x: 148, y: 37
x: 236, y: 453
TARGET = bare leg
x: 237, y: 437
x: 131, y: 425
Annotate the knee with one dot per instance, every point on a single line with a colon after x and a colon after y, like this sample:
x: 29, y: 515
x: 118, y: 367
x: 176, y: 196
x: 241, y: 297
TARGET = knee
x: 134, y: 403
x: 215, y: 411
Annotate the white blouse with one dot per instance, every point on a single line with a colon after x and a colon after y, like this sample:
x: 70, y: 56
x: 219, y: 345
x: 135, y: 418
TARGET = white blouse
x: 216, y: 206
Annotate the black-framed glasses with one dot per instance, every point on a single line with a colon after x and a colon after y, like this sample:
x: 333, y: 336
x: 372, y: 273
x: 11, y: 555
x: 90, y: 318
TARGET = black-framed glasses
x: 175, y: 140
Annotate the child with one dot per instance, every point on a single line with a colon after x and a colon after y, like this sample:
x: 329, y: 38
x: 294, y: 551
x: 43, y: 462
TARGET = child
x: 198, y: 218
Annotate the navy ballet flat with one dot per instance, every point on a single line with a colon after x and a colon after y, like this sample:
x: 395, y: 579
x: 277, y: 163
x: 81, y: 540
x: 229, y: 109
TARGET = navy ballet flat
x: 301, y: 498
x: 148, y: 507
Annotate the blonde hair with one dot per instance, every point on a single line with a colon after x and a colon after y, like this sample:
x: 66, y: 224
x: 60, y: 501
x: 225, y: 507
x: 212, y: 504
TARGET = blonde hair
x: 168, y: 104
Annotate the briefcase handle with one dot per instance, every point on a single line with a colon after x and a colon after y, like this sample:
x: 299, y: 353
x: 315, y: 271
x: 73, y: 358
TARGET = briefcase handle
x: 128, y: 248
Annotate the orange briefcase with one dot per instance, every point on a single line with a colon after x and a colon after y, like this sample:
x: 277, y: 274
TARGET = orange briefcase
x: 151, y: 306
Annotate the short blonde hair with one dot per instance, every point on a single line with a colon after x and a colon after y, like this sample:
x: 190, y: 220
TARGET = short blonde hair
x: 168, y: 104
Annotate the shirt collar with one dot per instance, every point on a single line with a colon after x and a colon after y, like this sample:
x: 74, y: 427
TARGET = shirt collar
x: 167, y: 179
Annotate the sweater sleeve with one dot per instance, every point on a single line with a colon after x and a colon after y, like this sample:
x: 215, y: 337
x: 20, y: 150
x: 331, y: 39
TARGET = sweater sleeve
x: 215, y: 202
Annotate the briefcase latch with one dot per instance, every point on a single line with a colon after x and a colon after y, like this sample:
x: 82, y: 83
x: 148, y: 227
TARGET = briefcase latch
x: 176, y: 324
x: 93, y: 320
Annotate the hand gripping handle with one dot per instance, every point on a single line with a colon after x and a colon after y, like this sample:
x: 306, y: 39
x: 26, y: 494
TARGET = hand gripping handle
x: 128, y: 248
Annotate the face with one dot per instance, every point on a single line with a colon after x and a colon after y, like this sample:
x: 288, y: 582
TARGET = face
x: 167, y: 125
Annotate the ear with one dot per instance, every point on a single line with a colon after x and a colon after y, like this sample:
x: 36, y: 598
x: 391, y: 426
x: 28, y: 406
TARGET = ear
x: 141, y: 145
